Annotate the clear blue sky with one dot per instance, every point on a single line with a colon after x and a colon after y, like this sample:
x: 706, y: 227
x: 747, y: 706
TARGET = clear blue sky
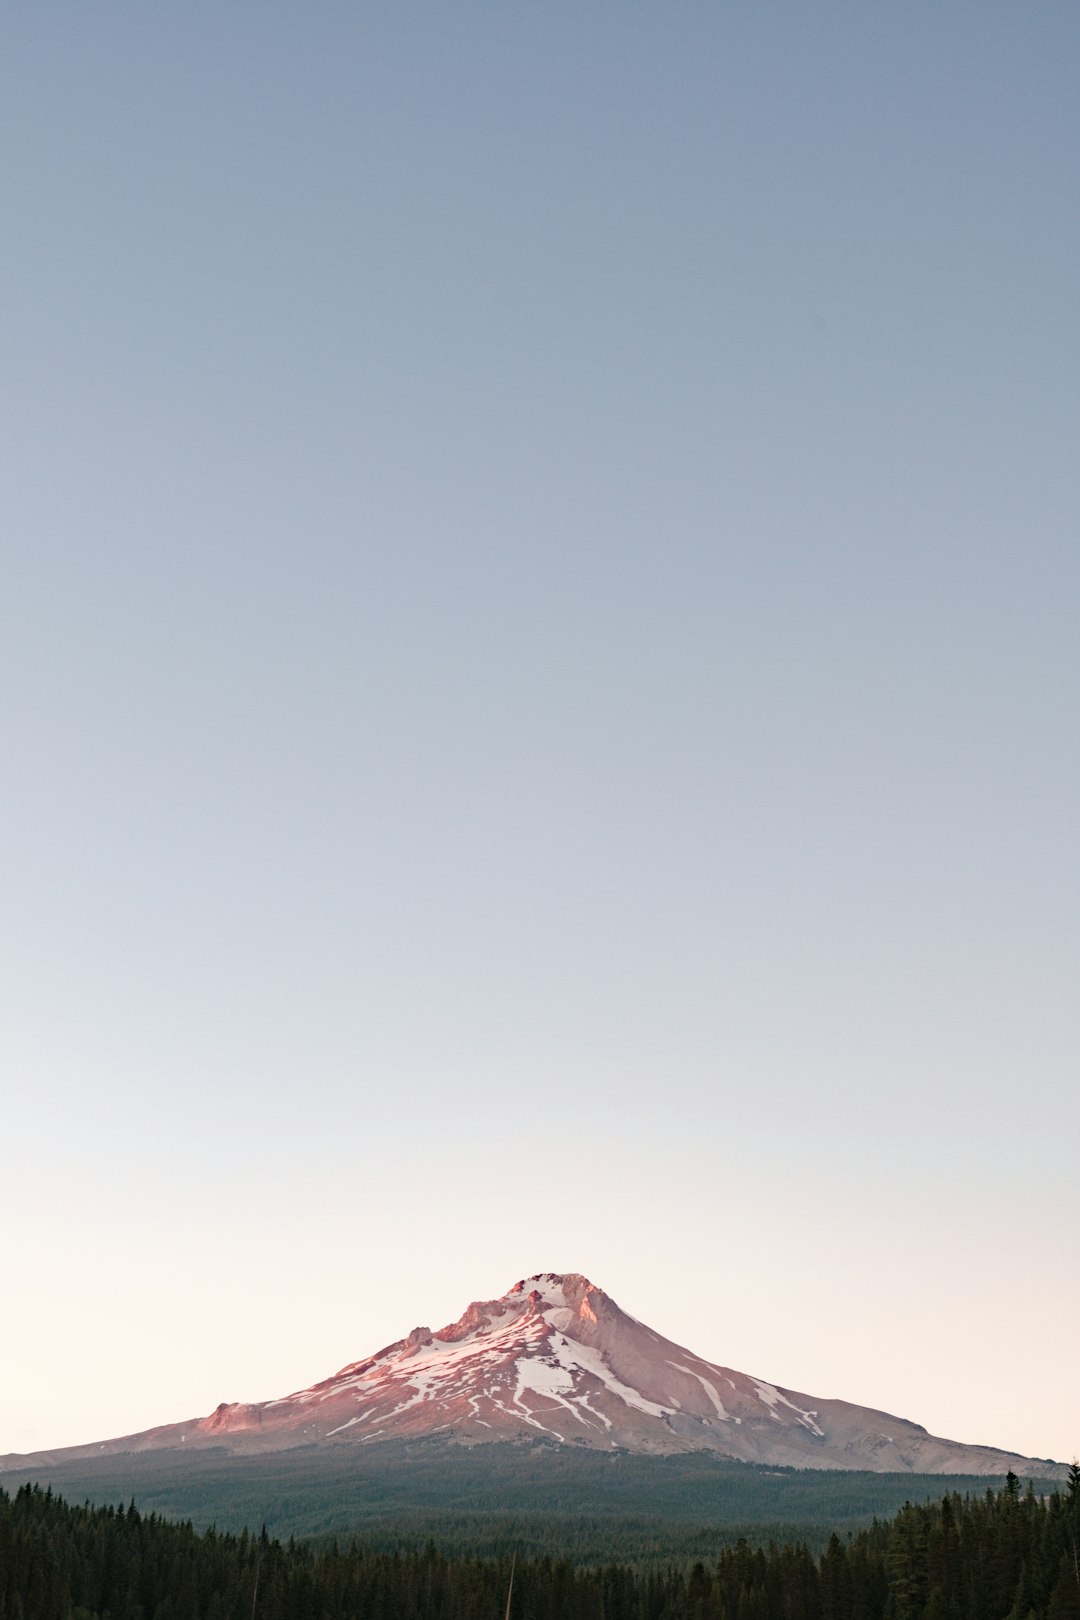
x: 540, y: 689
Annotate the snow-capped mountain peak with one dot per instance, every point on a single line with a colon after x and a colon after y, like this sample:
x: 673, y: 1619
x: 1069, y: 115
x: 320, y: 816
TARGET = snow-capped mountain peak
x: 556, y: 1360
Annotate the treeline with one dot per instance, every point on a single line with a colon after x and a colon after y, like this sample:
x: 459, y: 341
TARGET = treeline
x: 1007, y: 1555
x: 486, y: 1501
x: 583, y: 1538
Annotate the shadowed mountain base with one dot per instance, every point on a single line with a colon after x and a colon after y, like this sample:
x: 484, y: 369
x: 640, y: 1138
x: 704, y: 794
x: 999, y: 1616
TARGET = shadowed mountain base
x: 534, y: 1496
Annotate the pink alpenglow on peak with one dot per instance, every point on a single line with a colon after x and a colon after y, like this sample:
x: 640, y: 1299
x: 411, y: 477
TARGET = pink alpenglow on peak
x: 555, y: 1360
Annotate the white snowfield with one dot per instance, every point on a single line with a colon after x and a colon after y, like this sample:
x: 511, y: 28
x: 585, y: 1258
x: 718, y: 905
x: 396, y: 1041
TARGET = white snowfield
x: 555, y: 1359
x: 774, y: 1398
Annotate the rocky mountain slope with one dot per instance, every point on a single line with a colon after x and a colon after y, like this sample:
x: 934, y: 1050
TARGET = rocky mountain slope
x: 556, y: 1359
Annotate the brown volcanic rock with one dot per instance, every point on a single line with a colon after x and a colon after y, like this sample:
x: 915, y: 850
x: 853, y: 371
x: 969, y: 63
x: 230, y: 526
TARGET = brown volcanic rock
x: 555, y: 1358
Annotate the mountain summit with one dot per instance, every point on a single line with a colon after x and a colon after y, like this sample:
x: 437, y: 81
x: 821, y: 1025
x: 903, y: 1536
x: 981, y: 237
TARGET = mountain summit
x: 555, y: 1359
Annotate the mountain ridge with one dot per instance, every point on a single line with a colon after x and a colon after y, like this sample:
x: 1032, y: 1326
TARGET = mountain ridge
x: 555, y: 1358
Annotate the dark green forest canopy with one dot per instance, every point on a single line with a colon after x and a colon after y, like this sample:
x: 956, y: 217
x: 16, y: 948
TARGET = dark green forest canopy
x: 535, y: 1498
x: 1001, y: 1555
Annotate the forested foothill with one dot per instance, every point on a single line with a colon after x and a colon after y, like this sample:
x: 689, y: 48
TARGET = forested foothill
x: 1000, y: 1555
x: 536, y: 1498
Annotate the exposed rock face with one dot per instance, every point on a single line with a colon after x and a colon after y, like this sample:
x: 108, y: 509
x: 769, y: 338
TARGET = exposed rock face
x: 556, y: 1359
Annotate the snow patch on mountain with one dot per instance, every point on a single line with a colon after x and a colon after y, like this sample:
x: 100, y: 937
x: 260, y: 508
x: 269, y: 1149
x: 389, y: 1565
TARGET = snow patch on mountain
x: 710, y: 1390
x: 773, y: 1398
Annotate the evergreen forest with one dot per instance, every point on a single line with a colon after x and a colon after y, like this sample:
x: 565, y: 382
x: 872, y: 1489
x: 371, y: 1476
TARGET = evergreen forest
x: 486, y: 1501
x: 1009, y: 1554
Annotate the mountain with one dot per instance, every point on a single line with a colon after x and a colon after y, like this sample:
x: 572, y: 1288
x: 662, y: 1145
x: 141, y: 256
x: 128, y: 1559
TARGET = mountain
x: 556, y: 1360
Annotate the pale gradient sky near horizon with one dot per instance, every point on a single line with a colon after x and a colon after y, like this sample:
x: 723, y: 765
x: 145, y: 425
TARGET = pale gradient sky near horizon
x: 540, y: 686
